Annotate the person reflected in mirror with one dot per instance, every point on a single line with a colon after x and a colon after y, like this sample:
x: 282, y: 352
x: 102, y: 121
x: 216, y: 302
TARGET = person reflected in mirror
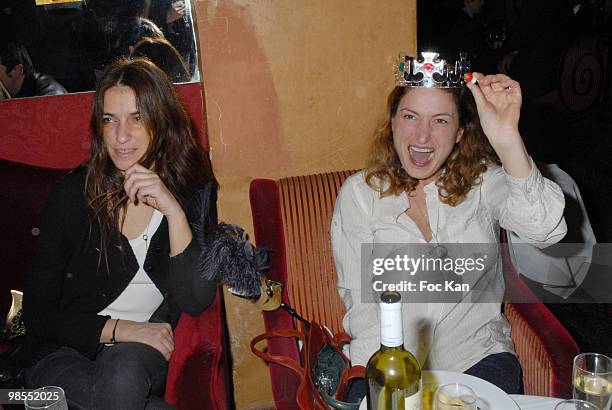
x: 142, y: 28
x: 173, y: 17
x: 447, y: 166
x: 107, y: 23
x: 117, y: 261
x: 19, y: 79
x: 161, y: 52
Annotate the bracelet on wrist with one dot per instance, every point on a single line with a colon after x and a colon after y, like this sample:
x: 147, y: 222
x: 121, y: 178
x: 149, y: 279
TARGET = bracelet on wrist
x: 113, y: 340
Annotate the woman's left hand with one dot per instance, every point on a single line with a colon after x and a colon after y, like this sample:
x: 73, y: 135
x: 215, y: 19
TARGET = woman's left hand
x: 498, y: 100
x: 147, y: 187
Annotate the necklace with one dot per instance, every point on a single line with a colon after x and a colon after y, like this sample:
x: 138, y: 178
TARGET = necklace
x: 145, y: 238
x: 145, y: 235
x: 438, y: 251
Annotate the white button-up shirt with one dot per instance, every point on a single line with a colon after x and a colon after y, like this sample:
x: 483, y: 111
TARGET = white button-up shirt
x: 443, y: 336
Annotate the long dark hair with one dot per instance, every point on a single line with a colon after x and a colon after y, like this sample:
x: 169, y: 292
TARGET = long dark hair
x: 174, y: 151
x: 461, y: 171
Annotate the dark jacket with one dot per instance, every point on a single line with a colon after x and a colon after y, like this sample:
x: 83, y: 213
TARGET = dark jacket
x: 39, y: 84
x: 68, y: 283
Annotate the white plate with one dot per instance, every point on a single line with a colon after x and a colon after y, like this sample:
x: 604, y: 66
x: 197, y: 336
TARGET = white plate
x: 490, y: 397
x: 535, y: 402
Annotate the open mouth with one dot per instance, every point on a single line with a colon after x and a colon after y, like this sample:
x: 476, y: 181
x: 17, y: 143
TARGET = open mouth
x: 420, y: 156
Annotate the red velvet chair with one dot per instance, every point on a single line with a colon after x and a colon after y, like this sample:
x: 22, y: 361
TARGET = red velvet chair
x: 292, y: 217
x: 40, y: 139
x: 545, y: 349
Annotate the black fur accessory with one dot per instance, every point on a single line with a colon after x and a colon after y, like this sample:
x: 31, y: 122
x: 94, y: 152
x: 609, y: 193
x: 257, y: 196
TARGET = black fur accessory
x: 227, y: 255
x: 230, y: 258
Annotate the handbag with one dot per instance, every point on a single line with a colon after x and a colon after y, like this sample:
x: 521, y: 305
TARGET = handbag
x: 324, y: 371
x: 11, y: 336
x: 14, y: 326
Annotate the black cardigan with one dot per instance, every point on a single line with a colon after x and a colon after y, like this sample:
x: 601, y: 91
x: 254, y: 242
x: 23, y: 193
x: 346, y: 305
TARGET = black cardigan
x: 68, y: 283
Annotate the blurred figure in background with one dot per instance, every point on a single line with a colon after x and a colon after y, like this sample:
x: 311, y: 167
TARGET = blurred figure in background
x: 535, y: 45
x: 142, y: 28
x: 452, y: 26
x: 173, y: 17
x: 163, y: 55
x: 19, y: 78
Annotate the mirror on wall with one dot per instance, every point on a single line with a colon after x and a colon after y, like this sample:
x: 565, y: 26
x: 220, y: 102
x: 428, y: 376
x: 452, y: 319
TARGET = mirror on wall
x: 49, y: 47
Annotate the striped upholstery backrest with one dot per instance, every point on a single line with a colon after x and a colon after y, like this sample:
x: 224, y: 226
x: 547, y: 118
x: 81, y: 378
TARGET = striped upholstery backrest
x: 545, y: 349
x: 307, y: 205
x: 538, y: 373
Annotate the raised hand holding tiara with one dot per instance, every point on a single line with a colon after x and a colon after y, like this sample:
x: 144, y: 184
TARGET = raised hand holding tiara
x: 498, y: 100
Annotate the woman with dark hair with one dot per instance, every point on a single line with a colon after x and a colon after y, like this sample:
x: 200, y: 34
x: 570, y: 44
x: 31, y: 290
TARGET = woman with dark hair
x: 117, y: 261
x: 447, y: 166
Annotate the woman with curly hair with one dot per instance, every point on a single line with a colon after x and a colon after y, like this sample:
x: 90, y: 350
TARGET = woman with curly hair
x: 117, y: 261
x: 447, y: 166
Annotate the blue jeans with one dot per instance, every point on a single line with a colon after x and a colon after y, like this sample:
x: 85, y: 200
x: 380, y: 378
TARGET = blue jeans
x: 122, y: 376
x: 501, y: 369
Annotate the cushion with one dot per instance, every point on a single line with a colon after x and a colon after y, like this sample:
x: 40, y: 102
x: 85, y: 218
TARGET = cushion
x: 22, y: 198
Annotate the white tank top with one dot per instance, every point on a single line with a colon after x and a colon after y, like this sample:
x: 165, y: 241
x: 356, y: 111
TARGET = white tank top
x: 141, y: 297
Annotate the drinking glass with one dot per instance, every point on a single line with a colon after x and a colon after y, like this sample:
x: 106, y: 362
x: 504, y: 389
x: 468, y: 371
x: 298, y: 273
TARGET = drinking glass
x: 47, y: 398
x: 575, y: 405
x: 592, y: 379
x: 454, y: 396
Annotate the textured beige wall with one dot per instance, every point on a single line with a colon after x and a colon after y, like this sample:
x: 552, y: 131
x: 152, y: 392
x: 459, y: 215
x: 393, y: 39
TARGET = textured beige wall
x: 292, y: 87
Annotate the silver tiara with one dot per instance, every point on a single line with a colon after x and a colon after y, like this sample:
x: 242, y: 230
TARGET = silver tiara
x: 430, y: 71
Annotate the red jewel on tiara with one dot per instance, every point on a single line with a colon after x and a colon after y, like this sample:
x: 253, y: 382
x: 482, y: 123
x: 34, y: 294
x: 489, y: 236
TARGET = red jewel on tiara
x: 428, y: 67
x: 468, y: 77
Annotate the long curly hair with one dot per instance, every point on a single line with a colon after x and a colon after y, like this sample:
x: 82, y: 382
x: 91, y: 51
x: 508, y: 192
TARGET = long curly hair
x: 462, y: 169
x: 174, y: 151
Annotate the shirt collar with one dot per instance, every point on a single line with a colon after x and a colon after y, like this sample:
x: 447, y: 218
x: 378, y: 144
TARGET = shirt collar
x: 395, y: 205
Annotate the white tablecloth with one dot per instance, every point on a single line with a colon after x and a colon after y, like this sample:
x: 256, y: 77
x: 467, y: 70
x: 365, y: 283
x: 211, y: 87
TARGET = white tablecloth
x: 534, y: 402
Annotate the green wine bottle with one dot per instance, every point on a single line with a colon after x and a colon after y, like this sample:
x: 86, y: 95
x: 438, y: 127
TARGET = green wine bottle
x: 393, y: 373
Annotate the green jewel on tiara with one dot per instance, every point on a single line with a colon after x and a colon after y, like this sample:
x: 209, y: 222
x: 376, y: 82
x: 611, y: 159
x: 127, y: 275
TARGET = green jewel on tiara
x: 430, y: 71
